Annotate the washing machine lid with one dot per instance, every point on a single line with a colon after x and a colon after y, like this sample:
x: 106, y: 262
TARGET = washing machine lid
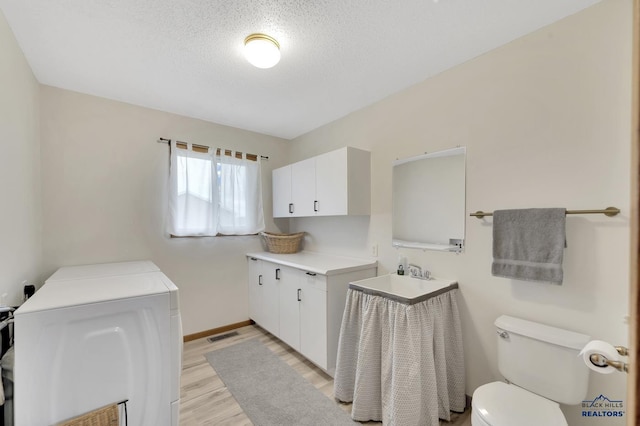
x: 500, y: 404
x: 64, y: 294
x: 103, y: 270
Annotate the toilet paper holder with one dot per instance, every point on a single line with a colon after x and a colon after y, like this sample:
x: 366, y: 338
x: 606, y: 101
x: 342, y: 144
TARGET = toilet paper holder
x: 600, y: 360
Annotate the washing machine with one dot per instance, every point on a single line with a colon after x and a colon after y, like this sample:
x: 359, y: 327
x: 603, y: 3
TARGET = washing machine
x: 90, y: 338
x: 67, y: 273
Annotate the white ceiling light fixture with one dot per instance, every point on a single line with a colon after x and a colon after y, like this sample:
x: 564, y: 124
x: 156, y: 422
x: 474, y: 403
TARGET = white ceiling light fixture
x: 261, y: 50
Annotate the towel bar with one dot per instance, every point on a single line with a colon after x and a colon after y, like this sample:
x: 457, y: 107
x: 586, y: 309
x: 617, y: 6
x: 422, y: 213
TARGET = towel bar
x: 609, y: 211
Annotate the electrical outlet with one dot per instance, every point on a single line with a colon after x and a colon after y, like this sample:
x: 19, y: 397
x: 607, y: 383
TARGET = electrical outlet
x: 29, y: 290
x: 374, y: 250
x: 456, y: 245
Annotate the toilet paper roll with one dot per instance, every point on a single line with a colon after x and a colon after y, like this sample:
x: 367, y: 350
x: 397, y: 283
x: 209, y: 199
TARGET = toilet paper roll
x: 604, y: 351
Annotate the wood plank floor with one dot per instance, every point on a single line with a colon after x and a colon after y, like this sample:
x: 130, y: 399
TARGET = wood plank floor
x: 205, y: 400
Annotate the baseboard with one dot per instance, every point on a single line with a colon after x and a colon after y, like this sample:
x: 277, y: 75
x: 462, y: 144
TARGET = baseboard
x: 207, y: 333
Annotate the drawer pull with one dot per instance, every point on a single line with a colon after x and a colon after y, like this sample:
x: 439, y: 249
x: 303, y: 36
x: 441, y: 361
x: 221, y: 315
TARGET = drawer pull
x: 311, y: 274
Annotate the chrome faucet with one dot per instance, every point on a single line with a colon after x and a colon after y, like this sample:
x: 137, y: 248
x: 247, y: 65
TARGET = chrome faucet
x: 416, y: 272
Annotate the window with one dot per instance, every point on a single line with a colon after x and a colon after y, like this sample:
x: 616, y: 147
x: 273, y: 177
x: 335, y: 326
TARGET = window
x: 213, y: 194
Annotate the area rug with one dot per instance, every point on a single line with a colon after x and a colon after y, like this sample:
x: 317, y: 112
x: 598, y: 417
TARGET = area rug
x: 271, y: 392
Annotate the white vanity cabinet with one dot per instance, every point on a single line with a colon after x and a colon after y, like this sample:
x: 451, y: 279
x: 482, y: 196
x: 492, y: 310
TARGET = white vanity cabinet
x: 331, y: 184
x: 311, y: 292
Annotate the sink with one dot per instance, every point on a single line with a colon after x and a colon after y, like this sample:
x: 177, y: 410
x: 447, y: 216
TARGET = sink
x: 404, y: 288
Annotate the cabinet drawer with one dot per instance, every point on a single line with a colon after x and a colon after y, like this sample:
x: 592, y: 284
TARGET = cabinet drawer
x: 317, y: 281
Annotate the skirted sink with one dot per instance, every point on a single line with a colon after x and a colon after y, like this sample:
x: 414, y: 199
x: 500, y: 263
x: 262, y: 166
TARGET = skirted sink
x: 404, y: 288
x: 400, y: 358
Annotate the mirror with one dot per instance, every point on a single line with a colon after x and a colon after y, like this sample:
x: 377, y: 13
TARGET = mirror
x: 429, y: 201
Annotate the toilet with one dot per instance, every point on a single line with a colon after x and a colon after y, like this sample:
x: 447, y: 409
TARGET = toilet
x: 543, y: 369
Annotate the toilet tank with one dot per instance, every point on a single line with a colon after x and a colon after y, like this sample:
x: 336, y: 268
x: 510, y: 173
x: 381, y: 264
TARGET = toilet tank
x: 543, y: 359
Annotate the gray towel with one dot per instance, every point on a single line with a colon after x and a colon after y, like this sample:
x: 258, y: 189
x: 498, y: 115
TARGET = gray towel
x: 528, y: 244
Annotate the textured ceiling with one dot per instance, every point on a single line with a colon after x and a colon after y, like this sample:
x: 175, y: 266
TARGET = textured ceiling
x: 185, y: 56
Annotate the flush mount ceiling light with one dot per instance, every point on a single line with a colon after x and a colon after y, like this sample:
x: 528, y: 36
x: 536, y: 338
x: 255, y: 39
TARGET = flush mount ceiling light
x: 261, y: 50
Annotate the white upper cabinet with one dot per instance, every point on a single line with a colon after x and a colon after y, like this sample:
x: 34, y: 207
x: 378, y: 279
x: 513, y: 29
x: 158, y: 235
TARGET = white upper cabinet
x: 282, y: 201
x: 332, y: 184
x: 303, y: 182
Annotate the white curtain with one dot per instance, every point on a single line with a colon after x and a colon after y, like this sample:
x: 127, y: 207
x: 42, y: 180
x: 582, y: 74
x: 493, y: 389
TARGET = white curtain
x: 211, y: 195
x: 240, y: 196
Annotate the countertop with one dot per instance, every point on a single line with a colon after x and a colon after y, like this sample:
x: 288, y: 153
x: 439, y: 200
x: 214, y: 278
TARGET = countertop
x: 403, y: 288
x: 319, y: 263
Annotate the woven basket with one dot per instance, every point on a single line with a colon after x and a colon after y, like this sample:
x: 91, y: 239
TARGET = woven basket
x: 282, y: 243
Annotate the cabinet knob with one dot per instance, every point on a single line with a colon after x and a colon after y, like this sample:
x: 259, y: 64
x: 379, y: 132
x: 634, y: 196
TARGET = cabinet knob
x: 299, y: 298
x: 259, y: 279
x: 315, y: 206
x: 290, y: 207
x: 278, y: 274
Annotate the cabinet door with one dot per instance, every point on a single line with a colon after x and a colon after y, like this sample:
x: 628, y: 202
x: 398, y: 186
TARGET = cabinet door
x: 290, y: 291
x: 303, y: 187
x: 313, y: 319
x: 281, y: 192
x: 270, y: 298
x: 255, y: 290
x: 331, y: 183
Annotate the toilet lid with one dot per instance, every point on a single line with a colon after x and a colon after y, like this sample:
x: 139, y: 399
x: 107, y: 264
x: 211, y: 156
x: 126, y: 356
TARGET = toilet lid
x: 500, y: 404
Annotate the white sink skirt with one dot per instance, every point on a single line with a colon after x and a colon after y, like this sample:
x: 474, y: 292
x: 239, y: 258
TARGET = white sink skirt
x: 401, y: 364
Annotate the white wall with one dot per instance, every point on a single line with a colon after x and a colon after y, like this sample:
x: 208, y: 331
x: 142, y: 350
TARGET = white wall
x: 20, y: 208
x: 104, y: 199
x: 546, y: 123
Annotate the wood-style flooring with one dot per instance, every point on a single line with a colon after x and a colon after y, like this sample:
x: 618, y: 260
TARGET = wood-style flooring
x: 205, y: 400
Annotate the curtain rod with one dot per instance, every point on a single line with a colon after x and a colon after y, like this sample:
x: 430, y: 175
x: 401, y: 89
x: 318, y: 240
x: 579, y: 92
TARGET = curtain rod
x: 168, y: 141
x: 609, y: 211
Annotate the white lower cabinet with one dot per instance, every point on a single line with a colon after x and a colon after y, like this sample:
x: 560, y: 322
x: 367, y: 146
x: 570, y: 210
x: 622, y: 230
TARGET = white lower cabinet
x: 264, y: 295
x: 300, y: 306
x: 303, y: 314
x: 290, y: 307
x: 255, y: 289
x: 313, y: 319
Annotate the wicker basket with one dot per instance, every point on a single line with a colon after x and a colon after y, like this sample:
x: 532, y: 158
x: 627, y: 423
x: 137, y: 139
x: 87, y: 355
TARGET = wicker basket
x: 282, y: 243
